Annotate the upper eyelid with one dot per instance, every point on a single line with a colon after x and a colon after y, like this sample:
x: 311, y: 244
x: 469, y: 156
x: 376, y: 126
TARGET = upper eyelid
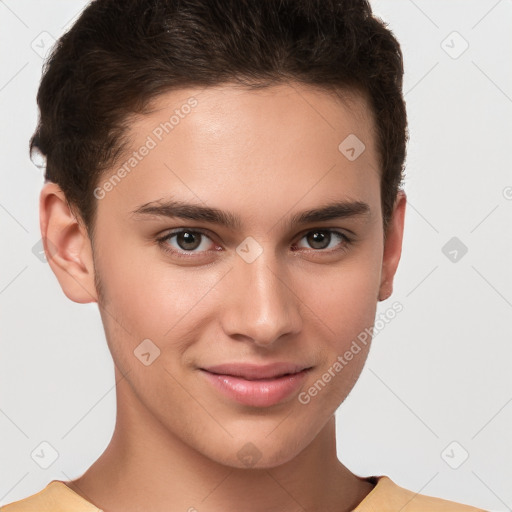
x: 177, y: 231
x: 330, y: 229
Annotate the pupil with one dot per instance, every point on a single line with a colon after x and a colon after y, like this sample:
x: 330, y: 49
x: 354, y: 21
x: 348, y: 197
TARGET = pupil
x: 186, y: 238
x: 319, y: 237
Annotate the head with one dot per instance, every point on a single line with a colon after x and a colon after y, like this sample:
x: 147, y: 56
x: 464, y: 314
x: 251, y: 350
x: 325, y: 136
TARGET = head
x: 233, y: 123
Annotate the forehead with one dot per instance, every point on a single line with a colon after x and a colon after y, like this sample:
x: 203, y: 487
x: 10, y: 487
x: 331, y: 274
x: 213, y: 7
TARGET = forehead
x: 293, y: 112
x: 233, y: 147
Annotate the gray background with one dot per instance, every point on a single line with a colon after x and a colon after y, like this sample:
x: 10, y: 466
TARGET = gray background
x: 438, y: 373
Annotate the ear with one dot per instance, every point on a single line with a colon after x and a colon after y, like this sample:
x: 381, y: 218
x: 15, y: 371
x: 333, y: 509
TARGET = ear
x: 67, y: 245
x: 392, y: 246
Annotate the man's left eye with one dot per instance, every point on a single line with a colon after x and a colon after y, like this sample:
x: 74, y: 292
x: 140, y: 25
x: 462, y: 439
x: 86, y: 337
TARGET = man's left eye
x: 322, y: 238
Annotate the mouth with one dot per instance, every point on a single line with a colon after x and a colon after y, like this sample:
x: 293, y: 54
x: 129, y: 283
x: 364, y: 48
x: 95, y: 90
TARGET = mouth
x: 257, y: 386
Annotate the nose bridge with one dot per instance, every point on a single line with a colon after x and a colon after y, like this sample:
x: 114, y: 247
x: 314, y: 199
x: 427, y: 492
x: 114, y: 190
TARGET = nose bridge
x: 263, y: 307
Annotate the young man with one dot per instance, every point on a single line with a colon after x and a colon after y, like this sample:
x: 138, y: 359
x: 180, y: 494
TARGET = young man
x: 223, y: 179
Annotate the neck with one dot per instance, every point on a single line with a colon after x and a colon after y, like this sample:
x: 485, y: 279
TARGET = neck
x: 146, y: 467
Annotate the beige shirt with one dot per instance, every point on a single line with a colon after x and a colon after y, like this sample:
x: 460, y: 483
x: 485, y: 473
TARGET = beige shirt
x: 386, y: 496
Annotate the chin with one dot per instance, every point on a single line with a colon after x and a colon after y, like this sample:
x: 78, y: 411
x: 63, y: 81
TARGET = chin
x: 257, y: 452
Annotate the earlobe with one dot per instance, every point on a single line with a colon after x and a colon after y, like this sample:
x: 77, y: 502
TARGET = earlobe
x: 392, y: 246
x: 67, y: 245
x: 384, y: 291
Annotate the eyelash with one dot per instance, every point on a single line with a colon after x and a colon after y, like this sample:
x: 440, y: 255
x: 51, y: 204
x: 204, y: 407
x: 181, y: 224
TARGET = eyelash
x: 162, y: 241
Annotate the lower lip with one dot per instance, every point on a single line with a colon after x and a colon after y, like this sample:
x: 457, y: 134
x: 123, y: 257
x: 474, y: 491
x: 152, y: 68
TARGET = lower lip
x: 257, y: 393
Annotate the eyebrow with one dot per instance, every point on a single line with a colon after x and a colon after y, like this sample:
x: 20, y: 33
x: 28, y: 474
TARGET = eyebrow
x: 179, y: 209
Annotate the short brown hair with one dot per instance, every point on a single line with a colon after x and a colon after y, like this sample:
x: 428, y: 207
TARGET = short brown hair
x: 119, y: 55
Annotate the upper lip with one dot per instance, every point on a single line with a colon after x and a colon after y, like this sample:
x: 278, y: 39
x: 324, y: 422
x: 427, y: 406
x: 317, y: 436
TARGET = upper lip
x: 254, y: 371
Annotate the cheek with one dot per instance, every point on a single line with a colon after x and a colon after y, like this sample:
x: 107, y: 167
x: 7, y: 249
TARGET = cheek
x: 149, y: 298
x: 346, y: 313
x: 344, y: 302
x: 345, y: 298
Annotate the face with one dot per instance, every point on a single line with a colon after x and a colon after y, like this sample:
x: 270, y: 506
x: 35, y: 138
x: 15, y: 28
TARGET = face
x: 216, y: 245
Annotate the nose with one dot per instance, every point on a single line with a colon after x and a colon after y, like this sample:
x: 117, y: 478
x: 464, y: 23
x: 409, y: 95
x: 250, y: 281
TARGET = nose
x: 262, y: 305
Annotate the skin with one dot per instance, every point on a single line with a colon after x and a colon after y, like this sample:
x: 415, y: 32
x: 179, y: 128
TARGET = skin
x: 264, y: 155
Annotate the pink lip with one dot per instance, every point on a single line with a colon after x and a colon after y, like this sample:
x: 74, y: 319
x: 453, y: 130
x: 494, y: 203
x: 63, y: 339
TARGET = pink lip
x: 257, y: 386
